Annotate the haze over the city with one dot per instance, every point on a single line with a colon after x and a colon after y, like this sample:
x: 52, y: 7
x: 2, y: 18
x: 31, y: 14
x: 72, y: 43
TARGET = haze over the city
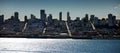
x: 77, y: 8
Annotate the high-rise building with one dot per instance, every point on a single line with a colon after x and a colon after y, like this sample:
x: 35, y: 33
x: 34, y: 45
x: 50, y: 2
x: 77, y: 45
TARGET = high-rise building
x: 50, y: 19
x: 114, y: 20
x: 92, y: 18
x: 68, y: 16
x: 25, y: 19
x: 111, y: 20
x: 16, y: 15
x: 86, y: 17
x: 43, y: 15
x: 60, y: 16
x: 1, y: 19
x: 95, y: 21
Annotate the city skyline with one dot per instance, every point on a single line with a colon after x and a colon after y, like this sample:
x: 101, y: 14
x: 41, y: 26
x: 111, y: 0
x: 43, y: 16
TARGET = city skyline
x: 45, y: 17
x: 77, y: 8
x: 49, y: 27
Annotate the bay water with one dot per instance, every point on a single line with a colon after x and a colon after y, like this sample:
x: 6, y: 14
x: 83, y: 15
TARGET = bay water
x: 29, y: 45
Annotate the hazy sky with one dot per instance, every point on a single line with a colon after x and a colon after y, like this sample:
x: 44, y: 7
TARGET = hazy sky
x: 77, y: 8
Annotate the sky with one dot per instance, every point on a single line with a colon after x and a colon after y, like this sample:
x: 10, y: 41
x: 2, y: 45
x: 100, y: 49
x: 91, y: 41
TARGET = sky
x: 77, y: 8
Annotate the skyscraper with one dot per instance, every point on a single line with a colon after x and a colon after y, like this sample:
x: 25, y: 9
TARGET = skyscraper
x: 68, y: 16
x: 92, y: 18
x: 16, y: 15
x: 43, y: 15
x: 111, y: 20
x: 114, y: 20
x: 60, y: 16
x: 25, y: 19
x: 1, y: 19
x: 50, y: 19
x: 86, y: 17
x: 95, y: 21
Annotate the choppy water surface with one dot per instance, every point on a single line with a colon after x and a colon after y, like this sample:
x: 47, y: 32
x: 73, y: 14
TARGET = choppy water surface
x: 22, y: 45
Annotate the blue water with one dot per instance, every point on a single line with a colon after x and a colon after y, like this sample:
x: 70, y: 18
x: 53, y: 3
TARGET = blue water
x: 22, y: 45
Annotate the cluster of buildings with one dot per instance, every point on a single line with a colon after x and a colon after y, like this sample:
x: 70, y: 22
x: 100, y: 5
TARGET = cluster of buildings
x: 89, y: 26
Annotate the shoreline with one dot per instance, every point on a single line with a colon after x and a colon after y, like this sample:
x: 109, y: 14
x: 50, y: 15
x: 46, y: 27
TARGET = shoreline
x: 63, y: 37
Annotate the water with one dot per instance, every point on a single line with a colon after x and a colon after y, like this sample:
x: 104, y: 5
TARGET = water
x: 22, y: 45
